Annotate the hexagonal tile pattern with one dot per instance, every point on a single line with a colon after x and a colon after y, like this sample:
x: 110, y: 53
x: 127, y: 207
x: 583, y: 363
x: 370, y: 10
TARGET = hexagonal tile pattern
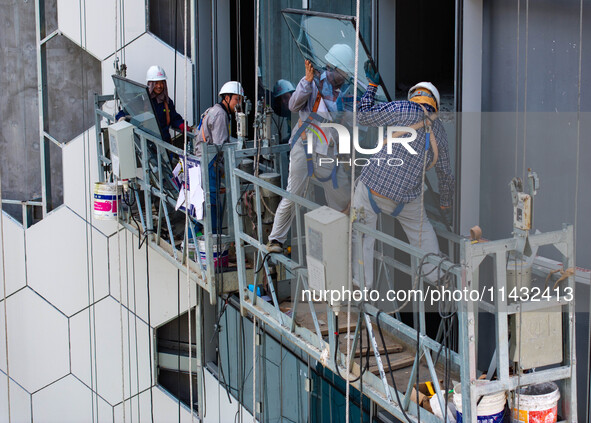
x: 53, y: 269
x: 100, y: 34
x: 161, y: 54
x: 132, y: 271
x: 37, y: 341
x: 80, y: 170
x: 68, y: 400
x: 12, y: 249
x: 165, y: 408
x: 20, y: 401
x: 96, y: 344
x: 164, y: 283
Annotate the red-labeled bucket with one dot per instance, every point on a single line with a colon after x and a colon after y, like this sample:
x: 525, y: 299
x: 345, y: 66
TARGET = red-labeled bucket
x: 105, y: 201
x: 536, y: 404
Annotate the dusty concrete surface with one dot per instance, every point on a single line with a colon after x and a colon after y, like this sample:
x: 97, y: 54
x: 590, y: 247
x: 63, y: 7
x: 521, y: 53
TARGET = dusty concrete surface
x: 73, y: 77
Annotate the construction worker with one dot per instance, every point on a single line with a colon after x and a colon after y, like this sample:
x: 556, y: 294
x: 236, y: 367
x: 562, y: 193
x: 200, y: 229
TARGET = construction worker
x: 163, y: 105
x: 322, y: 97
x: 398, y: 190
x: 214, y: 129
x: 282, y: 92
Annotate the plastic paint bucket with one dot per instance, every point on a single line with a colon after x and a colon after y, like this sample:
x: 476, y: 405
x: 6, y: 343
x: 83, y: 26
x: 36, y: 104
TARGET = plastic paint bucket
x: 537, y: 404
x: 220, y: 259
x: 105, y: 201
x: 490, y: 409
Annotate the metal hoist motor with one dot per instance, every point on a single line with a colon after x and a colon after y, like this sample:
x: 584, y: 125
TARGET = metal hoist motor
x: 536, y: 336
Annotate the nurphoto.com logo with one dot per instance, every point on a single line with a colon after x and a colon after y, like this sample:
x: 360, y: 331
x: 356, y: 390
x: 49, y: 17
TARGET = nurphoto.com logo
x: 344, y: 145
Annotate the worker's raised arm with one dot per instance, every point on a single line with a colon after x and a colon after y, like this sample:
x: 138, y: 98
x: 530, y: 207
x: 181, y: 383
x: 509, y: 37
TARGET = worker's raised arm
x: 302, y: 93
x: 371, y: 114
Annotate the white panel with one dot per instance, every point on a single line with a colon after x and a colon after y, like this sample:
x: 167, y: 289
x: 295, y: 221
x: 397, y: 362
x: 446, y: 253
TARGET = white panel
x: 14, y: 256
x: 219, y: 409
x: 68, y: 18
x: 135, y: 19
x: 99, y: 33
x: 20, y: 402
x: 60, y: 242
x: 146, y: 51
x: 164, y: 281
x: 108, y: 352
x: 133, y: 272
x: 37, y: 341
x: 166, y: 408
x: 79, y: 158
x: 81, y: 349
x: 68, y: 400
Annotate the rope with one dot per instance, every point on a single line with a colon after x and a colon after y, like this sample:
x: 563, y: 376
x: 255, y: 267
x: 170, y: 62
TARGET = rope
x: 4, y: 300
x: 89, y: 239
x: 352, y: 193
x: 116, y: 180
x: 524, y: 170
x: 578, y: 162
x: 188, y: 280
x: 254, y: 367
x: 256, y: 87
x: 517, y: 87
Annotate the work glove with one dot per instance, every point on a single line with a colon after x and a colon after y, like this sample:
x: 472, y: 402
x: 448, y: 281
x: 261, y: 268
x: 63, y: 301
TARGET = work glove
x: 371, y: 74
x: 447, y: 215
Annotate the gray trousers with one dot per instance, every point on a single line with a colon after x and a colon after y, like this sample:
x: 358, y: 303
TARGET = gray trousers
x: 409, y: 218
x: 297, y: 183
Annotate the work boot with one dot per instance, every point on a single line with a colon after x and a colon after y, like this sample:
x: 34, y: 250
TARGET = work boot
x: 274, y: 246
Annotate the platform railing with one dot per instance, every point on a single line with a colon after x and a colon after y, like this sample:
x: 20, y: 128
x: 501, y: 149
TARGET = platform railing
x: 153, y: 194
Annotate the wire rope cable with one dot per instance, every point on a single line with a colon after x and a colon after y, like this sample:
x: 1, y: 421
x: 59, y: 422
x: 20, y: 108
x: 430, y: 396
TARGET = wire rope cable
x: 122, y: 350
x: 2, y: 245
x: 350, y: 235
x: 578, y: 164
x: 186, y: 240
x: 88, y: 229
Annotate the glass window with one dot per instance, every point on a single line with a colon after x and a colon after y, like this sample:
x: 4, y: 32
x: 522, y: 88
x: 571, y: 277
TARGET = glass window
x: 135, y: 101
x: 328, y: 41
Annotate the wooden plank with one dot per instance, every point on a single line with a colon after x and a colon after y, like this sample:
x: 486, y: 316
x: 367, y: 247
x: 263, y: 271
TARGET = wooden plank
x: 391, y: 345
x: 397, y: 361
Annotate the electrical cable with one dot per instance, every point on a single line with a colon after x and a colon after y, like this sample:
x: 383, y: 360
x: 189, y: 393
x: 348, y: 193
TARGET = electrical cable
x: 390, y: 369
x: 362, y: 369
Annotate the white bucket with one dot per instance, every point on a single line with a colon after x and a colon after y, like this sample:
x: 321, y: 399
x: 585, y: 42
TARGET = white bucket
x: 105, y: 200
x: 490, y: 409
x: 219, y: 259
x: 537, y: 403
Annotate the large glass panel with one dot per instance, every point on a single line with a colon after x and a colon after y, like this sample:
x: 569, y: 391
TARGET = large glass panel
x: 135, y: 101
x: 316, y: 34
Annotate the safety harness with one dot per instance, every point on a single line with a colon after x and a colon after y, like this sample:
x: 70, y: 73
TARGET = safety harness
x: 430, y: 141
x: 300, y: 133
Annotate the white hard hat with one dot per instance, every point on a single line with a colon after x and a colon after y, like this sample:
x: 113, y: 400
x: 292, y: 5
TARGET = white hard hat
x: 232, y: 87
x: 341, y: 56
x: 427, y: 86
x: 155, y: 73
x: 282, y: 86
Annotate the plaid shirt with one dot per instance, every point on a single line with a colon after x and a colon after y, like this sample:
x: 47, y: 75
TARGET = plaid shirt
x: 403, y: 183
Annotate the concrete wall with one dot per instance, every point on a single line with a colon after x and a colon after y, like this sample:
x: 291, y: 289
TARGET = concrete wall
x: 73, y: 77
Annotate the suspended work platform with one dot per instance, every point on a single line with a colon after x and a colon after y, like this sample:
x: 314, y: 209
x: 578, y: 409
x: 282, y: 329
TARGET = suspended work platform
x: 392, y: 351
